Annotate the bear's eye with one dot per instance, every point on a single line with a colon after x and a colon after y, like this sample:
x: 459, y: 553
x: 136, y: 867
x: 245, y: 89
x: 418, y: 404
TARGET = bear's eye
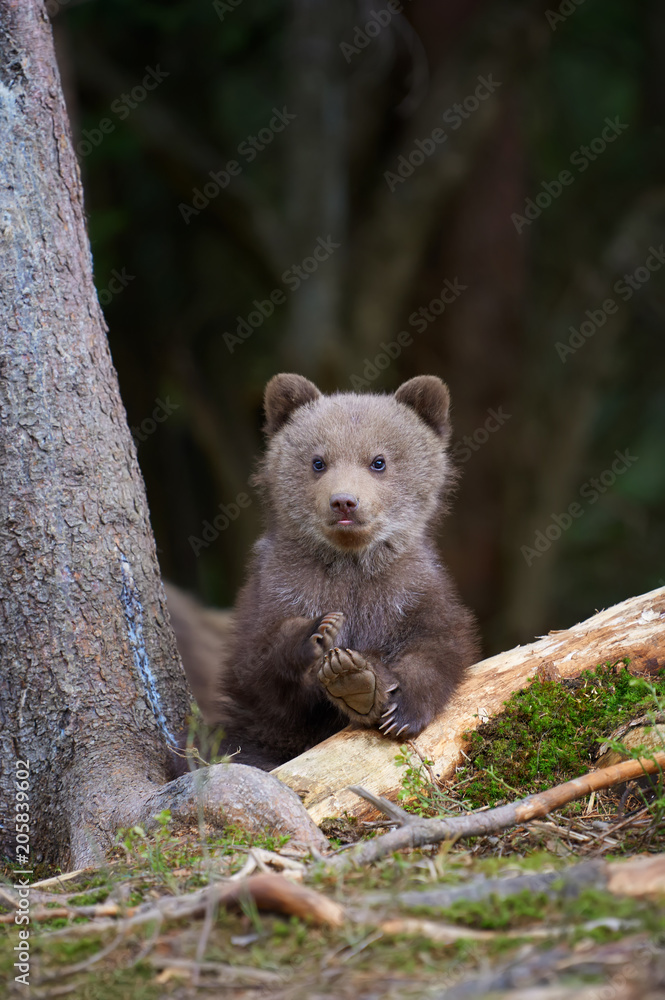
x: 318, y: 464
x: 378, y: 464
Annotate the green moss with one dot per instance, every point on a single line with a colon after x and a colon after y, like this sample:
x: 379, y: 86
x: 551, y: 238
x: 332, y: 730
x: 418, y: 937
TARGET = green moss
x: 547, y: 733
x: 90, y: 898
x: 76, y: 950
x: 137, y: 982
x: 54, y: 925
x: 553, y: 910
x: 495, y: 913
x: 237, y: 837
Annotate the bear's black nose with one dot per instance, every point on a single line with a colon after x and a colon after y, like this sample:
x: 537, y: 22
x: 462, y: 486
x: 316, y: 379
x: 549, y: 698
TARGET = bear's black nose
x: 343, y: 502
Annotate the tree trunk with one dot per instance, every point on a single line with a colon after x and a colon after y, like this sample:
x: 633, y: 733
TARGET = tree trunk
x: 316, y: 187
x: 321, y: 776
x: 92, y: 691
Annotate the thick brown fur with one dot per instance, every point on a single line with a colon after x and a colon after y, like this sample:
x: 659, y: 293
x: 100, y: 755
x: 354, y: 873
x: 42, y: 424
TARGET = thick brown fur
x: 347, y: 613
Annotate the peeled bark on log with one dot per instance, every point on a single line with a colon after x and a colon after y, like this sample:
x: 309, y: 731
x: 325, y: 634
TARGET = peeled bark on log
x: 321, y: 776
x: 92, y: 691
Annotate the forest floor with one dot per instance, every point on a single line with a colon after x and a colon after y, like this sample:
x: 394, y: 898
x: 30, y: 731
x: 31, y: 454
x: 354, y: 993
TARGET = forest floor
x: 569, y: 906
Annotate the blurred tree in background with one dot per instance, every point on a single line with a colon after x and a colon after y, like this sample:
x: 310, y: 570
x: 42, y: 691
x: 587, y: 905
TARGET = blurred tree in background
x: 365, y: 192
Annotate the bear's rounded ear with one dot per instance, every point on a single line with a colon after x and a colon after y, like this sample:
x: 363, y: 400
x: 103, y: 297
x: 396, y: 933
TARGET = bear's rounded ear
x: 429, y: 397
x: 283, y: 395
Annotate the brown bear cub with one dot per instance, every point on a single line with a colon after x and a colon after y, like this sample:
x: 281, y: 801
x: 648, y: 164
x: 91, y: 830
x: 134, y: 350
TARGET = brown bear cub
x: 347, y: 614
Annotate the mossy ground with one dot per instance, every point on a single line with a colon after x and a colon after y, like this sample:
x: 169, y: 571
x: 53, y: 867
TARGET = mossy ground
x: 300, y: 960
x: 550, y: 732
x: 546, y: 735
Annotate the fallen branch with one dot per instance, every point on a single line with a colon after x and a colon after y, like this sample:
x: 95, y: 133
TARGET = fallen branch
x: 417, y: 832
x: 270, y: 892
x: 555, y: 883
x: 236, y: 974
x: 643, y: 875
x: 450, y: 933
x: 633, y: 964
x: 281, y: 895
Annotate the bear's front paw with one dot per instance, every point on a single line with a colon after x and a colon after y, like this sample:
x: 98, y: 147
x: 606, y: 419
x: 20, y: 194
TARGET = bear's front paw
x: 350, y: 679
x: 326, y: 631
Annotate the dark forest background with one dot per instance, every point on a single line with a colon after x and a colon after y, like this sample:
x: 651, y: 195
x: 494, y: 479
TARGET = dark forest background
x: 162, y: 94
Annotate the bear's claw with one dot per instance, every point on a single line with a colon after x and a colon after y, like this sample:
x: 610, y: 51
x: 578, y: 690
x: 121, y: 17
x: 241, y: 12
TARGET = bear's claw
x: 349, y: 678
x: 388, y: 717
x: 327, y: 630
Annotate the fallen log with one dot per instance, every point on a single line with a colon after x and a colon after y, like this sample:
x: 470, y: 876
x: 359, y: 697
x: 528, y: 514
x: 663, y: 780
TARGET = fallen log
x: 322, y: 776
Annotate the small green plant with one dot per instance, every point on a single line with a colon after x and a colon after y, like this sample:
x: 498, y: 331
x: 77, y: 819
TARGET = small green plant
x: 234, y: 837
x: 202, y: 745
x: 420, y: 793
x: 655, y: 800
x: 151, y: 849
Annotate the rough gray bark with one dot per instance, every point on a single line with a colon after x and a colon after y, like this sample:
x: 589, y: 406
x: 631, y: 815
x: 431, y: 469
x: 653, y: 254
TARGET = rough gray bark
x: 91, y: 686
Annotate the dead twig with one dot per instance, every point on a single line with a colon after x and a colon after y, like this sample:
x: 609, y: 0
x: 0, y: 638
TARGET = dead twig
x: 553, y: 884
x: 418, y: 832
x: 393, y: 811
x: 268, y: 892
x: 229, y: 973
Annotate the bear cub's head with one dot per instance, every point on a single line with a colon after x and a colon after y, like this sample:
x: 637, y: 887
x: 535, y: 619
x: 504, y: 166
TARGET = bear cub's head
x: 351, y: 473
